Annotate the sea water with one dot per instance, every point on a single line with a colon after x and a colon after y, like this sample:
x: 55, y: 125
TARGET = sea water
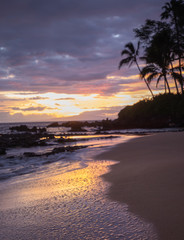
x: 63, y: 196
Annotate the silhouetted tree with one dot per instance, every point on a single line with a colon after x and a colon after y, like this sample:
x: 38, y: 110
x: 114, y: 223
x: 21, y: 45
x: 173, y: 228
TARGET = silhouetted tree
x: 130, y: 55
x: 174, y: 12
x: 162, y: 45
x: 159, y: 55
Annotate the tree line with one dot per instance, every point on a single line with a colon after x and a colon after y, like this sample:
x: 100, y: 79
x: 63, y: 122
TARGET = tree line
x: 161, y: 44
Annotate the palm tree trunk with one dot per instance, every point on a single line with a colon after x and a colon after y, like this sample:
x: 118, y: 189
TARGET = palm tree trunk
x: 176, y: 85
x: 144, y: 79
x: 167, y: 84
x: 165, y: 87
x: 181, y: 76
x: 179, y: 52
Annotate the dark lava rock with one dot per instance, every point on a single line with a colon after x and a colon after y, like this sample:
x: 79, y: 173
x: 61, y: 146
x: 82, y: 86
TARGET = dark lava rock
x: 2, y: 151
x: 21, y: 128
x: 26, y: 139
x: 24, y: 128
x: 77, y: 129
x: 54, y: 124
x: 54, y: 151
x: 10, y: 157
x: 64, y: 149
x: 65, y: 140
x: 30, y: 154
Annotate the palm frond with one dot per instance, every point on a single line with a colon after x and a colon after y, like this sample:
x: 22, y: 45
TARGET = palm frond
x: 177, y: 76
x: 151, y: 77
x: 158, y: 80
x: 126, y: 52
x: 149, y: 69
x: 143, y: 58
x: 125, y: 61
x: 166, y: 11
x: 176, y: 68
x: 130, y: 46
x: 138, y: 47
x: 131, y: 62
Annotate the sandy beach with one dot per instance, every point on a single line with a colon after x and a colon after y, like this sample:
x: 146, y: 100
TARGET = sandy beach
x: 67, y: 200
x: 149, y: 178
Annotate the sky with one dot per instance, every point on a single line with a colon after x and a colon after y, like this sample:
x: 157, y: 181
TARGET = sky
x: 59, y: 59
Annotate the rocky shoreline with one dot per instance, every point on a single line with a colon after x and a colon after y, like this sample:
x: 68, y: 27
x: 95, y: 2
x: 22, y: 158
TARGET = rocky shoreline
x: 24, y: 137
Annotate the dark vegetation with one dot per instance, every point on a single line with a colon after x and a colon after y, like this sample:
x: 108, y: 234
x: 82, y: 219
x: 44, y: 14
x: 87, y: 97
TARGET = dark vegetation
x: 161, y: 44
x: 165, y: 110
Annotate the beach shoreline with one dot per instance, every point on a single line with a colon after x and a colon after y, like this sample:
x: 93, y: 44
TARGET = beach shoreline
x: 67, y: 202
x: 149, y: 178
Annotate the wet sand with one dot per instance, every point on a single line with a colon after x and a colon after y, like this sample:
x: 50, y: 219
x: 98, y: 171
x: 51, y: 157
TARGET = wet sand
x: 50, y: 205
x: 150, y: 179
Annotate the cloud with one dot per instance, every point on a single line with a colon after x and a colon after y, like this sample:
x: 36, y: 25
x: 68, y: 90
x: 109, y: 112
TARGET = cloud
x: 38, y: 98
x: 19, y: 117
x: 108, y: 112
x: 68, y: 47
x: 64, y: 41
x: 39, y: 109
x: 10, y: 100
x: 63, y: 99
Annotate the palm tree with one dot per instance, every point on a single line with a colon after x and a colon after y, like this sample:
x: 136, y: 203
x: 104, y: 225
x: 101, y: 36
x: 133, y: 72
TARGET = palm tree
x: 173, y: 10
x: 159, y: 56
x: 175, y: 76
x: 152, y: 71
x: 163, y: 36
x: 131, y: 54
x: 147, y: 31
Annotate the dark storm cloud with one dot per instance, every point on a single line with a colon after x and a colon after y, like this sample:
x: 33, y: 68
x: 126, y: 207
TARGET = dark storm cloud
x: 52, y: 44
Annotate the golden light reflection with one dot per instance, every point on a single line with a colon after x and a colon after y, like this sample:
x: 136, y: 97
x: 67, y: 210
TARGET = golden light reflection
x: 54, y: 185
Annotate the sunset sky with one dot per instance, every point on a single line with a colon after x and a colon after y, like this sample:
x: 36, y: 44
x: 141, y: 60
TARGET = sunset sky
x: 59, y: 59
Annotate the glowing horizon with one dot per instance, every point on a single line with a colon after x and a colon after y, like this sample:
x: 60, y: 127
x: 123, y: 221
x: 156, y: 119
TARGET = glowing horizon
x: 62, y: 105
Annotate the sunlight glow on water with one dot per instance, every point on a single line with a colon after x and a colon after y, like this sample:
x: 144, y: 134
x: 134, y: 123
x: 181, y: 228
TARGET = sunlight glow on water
x: 71, y: 205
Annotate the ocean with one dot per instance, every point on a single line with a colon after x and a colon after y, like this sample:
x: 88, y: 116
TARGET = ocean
x: 46, y: 194
x: 16, y: 163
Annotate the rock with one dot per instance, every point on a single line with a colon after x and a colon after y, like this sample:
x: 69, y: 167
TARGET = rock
x: 65, y: 149
x: 54, y: 124
x: 30, y: 154
x: 2, y: 151
x: 24, y: 128
x: 77, y: 129
x: 54, y: 151
x: 21, y: 128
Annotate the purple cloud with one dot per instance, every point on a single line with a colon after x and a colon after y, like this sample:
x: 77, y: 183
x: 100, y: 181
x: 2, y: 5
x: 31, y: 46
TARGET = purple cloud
x: 63, y: 46
x: 39, y: 109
